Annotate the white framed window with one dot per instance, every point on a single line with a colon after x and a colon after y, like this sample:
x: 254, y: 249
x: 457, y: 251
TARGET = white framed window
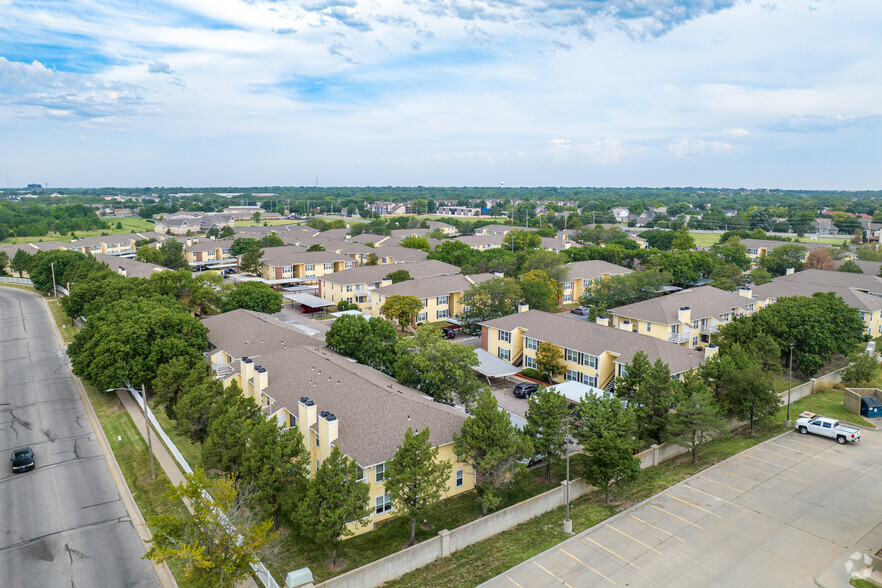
x: 359, y: 473
x: 529, y: 362
x: 863, y: 316
x: 568, y: 297
x: 568, y: 286
x: 504, y: 337
x: 422, y: 317
x: 425, y: 302
x: 329, y: 266
x: 460, y: 478
x: 316, y: 439
x: 383, y: 504
x: 695, y: 341
x: 572, y: 376
x: 504, y: 354
x: 590, y: 380
x: 442, y: 300
x: 532, y: 344
x: 310, y: 267
x: 573, y: 356
x: 440, y: 314
x: 348, y: 264
x: 648, y: 327
x: 349, y: 287
x: 589, y: 360
x: 379, y: 471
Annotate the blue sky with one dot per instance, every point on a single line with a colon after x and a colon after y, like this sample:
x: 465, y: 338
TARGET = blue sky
x: 723, y: 93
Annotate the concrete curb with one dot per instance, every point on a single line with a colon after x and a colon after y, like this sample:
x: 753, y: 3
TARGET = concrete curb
x: 162, y: 570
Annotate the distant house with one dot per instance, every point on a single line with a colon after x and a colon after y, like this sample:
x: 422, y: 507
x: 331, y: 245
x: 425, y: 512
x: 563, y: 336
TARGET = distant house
x: 247, y: 213
x: 620, y: 214
x: 581, y: 274
x: 458, y: 211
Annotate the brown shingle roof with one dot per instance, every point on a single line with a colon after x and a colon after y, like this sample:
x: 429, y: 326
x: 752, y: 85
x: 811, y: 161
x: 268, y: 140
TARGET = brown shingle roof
x: 589, y: 270
x: 434, y: 286
x: 704, y: 302
x: 368, y: 274
x: 860, y: 291
x: 292, y: 254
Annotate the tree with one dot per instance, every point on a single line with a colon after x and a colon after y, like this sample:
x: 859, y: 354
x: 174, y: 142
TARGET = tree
x: 220, y: 541
x: 254, y: 296
x: 519, y: 240
x: 243, y: 245
x: 683, y: 240
x: 415, y: 478
x: 650, y: 391
x: 439, y: 368
x: 195, y: 406
x: 256, y: 216
x: 727, y: 277
x: 397, y: 276
x: 488, y: 300
x: 227, y: 232
x: 731, y: 251
x: 149, y: 254
x: 333, y: 498
x: 414, y: 242
x: 696, y: 417
x: 549, y: 359
x: 4, y: 261
x: 228, y: 433
x: 418, y: 207
x: 493, y: 446
x: 173, y: 378
x: 609, y: 461
x: 250, y: 261
x: 658, y: 239
x: 861, y: 369
x: 315, y: 247
x: 21, y: 262
x: 820, y: 259
x: 401, y: 308
x: 207, y: 292
x: 781, y: 258
x: 550, y: 293
x: 173, y: 255
x: 603, y: 416
x: 748, y: 394
x: 625, y: 289
x: 373, y: 259
x: 369, y: 342
x: 759, y: 276
x: 546, y: 411
x: 851, y: 267
x: 41, y: 271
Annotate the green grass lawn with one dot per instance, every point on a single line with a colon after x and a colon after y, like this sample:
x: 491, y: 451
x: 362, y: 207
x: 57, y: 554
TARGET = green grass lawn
x: 781, y: 382
x: 828, y: 404
x: 129, y: 225
x: 192, y: 452
x: 706, y: 239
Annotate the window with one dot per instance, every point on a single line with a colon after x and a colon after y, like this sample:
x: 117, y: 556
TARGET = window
x: 863, y: 316
x: 504, y: 337
x: 316, y: 439
x: 425, y: 302
x: 568, y: 297
x: 442, y: 300
x: 589, y: 360
x: 422, y: 317
x: 532, y: 344
x: 529, y: 362
x: 359, y: 473
x: 694, y: 341
x: 572, y: 356
x: 292, y: 420
x: 504, y: 354
x: 383, y: 504
x: 378, y: 472
x: 349, y: 287
x: 329, y: 266
x: 827, y: 426
x: 348, y: 264
x: 440, y: 314
x: 648, y: 327
x: 572, y: 376
x: 568, y: 286
x: 460, y: 475
x: 310, y: 267
x: 590, y: 380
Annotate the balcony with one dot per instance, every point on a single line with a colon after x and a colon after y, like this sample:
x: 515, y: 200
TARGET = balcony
x: 709, y: 329
x: 680, y: 337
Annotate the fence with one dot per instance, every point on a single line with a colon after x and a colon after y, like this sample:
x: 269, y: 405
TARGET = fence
x: 260, y: 570
x: 808, y: 388
x: 8, y: 280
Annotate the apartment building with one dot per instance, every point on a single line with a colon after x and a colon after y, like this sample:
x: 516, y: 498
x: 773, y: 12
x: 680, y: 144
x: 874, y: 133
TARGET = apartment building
x: 499, y: 229
x: 443, y: 227
x: 354, y: 285
x: 130, y: 268
x: 331, y: 401
x: 441, y: 295
x: 293, y: 262
x: 756, y: 248
x: 210, y: 252
x: 688, y: 317
x: 594, y: 354
x: 482, y: 242
x: 581, y: 274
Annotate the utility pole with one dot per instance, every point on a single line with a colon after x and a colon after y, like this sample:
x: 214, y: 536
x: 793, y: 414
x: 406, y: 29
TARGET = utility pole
x: 568, y: 524
x: 54, y: 293
x: 789, y: 386
x: 149, y: 438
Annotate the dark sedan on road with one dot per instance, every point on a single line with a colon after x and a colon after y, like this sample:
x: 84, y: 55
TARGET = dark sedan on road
x: 524, y: 390
x: 22, y: 460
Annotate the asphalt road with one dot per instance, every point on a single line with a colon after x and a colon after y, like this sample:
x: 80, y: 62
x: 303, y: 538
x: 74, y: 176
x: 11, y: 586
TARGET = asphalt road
x: 64, y: 523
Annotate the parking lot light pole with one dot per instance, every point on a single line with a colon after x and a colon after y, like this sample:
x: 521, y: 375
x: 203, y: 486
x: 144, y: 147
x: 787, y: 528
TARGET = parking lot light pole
x: 568, y: 524
x: 789, y: 387
x: 149, y: 438
x: 54, y: 292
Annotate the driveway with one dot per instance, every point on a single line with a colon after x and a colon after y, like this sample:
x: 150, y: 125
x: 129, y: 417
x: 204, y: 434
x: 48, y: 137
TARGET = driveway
x: 775, y: 515
x: 63, y: 523
x: 305, y: 322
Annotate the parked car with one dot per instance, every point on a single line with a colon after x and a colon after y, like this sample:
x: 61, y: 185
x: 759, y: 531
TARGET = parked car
x: 581, y: 310
x: 22, y: 460
x: 448, y: 333
x: 524, y: 390
x: 828, y: 428
x: 308, y: 309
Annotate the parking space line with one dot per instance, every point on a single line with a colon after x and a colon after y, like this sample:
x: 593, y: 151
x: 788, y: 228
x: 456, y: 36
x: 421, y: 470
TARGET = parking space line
x: 637, y: 540
x: 589, y: 567
x: 657, y: 528
x: 778, y: 454
x: 711, y: 495
x: 676, y: 517
x: 513, y: 582
x: 712, y: 481
x: 752, y: 468
x: 612, y: 552
x: 788, y: 448
x: 669, y: 495
x: 722, y: 467
x: 804, y: 443
x: 552, y: 574
x: 772, y: 463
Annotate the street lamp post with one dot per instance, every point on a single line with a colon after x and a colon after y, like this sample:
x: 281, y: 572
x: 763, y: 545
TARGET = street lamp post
x: 568, y: 524
x: 789, y: 386
x: 149, y: 438
x: 52, y: 266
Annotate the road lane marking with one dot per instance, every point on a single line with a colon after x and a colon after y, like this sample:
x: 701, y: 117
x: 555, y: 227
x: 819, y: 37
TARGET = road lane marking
x: 693, y: 505
x: 711, y: 495
x: 551, y: 573
x: 721, y: 484
x: 637, y: 540
x: 589, y: 567
x: 676, y: 517
x: 657, y: 528
x: 612, y: 552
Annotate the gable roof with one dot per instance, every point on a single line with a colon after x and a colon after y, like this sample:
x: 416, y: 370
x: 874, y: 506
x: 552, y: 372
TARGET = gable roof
x: 368, y: 274
x: 704, y: 302
x: 860, y: 291
x: 433, y: 286
x: 593, y: 269
x: 294, y: 254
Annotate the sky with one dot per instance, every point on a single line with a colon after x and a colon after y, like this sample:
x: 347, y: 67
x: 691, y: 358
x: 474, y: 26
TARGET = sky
x: 652, y: 93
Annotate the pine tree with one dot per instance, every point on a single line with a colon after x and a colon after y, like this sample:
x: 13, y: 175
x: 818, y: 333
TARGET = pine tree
x: 696, y: 418
x: 546, y: 411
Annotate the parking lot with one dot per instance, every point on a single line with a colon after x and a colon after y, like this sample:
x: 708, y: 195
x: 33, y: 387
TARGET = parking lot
x: 775, y: 515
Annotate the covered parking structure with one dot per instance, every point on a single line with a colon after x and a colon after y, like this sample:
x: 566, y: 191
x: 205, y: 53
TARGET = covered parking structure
x: 491, y: 366
x: 308, y: 300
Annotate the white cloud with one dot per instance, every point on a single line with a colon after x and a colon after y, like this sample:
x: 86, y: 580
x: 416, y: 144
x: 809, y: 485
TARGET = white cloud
x: 159, y: 67
x: 685, y: 147
x: 736, y: 132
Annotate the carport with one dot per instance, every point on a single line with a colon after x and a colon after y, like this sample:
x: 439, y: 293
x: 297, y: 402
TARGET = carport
x: 491, y: 366
x: 575, y: 391
x: 308, y: 300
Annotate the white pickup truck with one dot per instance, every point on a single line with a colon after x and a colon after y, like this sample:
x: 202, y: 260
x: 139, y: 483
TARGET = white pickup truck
x: 812, y: 423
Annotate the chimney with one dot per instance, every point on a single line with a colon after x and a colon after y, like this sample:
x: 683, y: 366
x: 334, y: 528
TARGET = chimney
x: 789, y: 271
x: 746, y: 292
x: 327, y: 425
x: 523, y: 307
x: 247, y: 372
x: 260, y: 381
x: 305, y: 416
x: 710, y: 351
x: 625, y: 325
x: 602, y: 320
x: 684, y: 315
x: 122, y: 270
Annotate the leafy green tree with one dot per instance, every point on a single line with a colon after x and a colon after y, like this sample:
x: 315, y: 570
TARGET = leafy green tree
x: 271, y: 240
x: 546, y: 413
x: 40, y: 268
x: 747, y: 392
x: 696, y: 418
x: 227, y: 232
x: 779, y: 259
x: 4, y: 261
x: 397, y: 276
x: 228, y: 433
x: 250, y: 261
x: 553, y: 290
x: 602, y: 416
x: 861, y: 370
x: 519, y: 240
x: 173, y: 378
x: 418, y: 206
x: 315, y: 247
x: 625, y: 289
x: 727, y: 277
x: 149, y: 254
x: 173, y: 284
x: 401, y: 309
x: 683, y: 241
x: 370, y: 342
x: 650, y: 391
x: 657, y: 239
x: 493, y: 446
x: 207, y: 292
x: 759, y: 276
x: 549, y: 359
x: 488, y: 300
x: 413, y: 242
x: 454, y: 252
x: 415, y: 477
x: 439, y: 368
x: 243, y: 245
x: 196, y: 405
x: 851, y: 267
x: 548, y: 262
x: 256, y: 217
x: 333, y: 498
x: 373, y: 259
x: 731, y: 251
x: 220, y: 541
x: 255, y: 296
x: 173, y: 255
x: 21, y: 262
x: 609, y: 461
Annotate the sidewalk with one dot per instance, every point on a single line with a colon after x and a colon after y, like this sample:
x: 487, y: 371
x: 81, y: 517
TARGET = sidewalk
x: 853, y: 561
